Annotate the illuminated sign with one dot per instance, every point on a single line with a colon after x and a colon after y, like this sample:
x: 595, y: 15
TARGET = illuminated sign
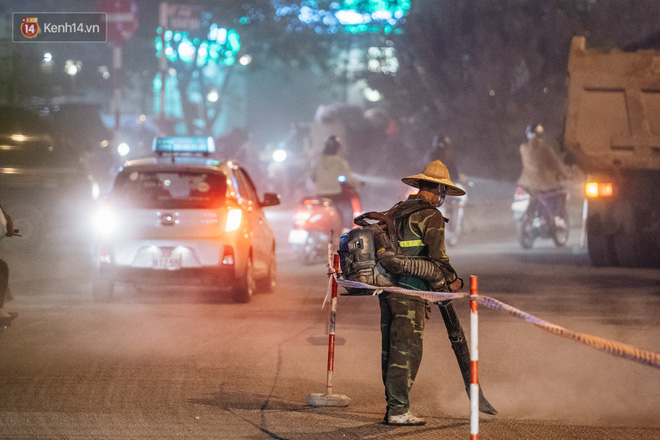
x: 349, y: 16
x: 183, y: 145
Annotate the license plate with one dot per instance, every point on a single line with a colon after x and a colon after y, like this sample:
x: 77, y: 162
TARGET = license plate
x: 167, y: 259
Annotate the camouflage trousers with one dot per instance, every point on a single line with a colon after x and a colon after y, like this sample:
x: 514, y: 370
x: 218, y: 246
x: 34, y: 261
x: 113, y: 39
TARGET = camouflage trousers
x: 402, y: 329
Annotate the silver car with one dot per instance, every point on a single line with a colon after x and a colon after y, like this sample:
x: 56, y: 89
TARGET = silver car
x: 183, y: 218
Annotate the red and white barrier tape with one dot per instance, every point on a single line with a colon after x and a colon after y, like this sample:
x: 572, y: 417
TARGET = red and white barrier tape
x: 614, y: 348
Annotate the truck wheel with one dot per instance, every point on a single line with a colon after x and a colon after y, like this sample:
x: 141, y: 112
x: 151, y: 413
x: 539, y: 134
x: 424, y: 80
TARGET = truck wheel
x: 246, y: 286
x: 103, y: 290
x: 601, y: 249
x: 630, y: 250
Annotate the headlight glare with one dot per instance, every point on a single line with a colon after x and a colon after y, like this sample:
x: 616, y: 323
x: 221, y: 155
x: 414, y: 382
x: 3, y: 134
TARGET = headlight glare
x: 105, y: 221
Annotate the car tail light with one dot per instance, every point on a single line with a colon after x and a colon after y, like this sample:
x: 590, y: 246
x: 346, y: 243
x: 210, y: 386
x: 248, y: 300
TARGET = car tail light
x: 234, y: 217
x: 599, y: 189
x: 105, y: 257
x: 228, y: 256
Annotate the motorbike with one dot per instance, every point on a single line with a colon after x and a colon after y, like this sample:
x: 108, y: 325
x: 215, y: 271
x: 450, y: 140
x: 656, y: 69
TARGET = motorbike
x: 534, y: 216
x: 454, y: 209
x: 317, y: 226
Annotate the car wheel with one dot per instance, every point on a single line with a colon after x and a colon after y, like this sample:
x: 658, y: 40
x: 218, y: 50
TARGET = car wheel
x: 246, y: 287
x: 103, y: 290
x: 267, y: 285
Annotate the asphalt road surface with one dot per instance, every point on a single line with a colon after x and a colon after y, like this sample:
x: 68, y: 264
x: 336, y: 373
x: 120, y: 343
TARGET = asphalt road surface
x: 177, y: 363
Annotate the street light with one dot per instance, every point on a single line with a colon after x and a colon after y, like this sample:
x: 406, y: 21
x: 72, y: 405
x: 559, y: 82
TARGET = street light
x: 372, y: 95
x: 245, y: 59
x: 47, y: 62
x: 212, y: 96
x: 72, y: 67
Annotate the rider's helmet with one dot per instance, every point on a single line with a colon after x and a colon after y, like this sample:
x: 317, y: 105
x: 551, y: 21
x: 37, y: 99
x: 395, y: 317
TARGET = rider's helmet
x: 441, y: 141
x: 534, y: 130
x: 331, y: 145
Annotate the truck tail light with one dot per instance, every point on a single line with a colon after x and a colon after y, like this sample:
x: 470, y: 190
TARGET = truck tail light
x: 599, y: 189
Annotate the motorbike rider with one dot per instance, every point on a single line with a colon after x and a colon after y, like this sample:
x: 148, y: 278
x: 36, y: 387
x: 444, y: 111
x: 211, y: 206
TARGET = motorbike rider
x: 442, y: 149
x: 334, y: 180
x: 543, y: 172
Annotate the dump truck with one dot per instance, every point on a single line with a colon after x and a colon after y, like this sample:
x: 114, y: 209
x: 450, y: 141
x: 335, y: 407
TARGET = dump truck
x: 612, y: 133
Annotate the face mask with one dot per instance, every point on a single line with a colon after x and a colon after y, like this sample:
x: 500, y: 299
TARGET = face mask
x: 441, y: 196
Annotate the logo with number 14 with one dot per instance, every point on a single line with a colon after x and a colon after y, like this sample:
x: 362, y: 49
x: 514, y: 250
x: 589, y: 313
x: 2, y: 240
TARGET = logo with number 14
x: 30, y: 27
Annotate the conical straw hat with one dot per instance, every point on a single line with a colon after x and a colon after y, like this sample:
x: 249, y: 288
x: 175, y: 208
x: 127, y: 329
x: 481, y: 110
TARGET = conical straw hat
x: 435, y: 172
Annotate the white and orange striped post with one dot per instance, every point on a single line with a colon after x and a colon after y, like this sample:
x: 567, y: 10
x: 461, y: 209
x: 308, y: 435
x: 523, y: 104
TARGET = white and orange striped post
x: 474, y: 360
x: 331, y: 332
x: 330, y: 399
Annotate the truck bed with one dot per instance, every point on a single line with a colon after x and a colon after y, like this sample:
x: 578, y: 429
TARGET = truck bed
x: 613, y: 109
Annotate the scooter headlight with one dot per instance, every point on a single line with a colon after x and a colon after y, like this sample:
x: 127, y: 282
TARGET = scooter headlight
x: 303, y: 216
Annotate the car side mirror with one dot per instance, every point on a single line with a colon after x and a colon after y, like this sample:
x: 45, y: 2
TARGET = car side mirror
x: 270, y: 199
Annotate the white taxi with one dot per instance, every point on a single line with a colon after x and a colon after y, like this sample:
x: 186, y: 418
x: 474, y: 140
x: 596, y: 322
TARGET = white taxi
x: 182, y: 217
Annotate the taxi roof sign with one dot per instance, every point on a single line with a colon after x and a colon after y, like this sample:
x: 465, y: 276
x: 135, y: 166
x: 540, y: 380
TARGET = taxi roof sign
x: 183, y: 144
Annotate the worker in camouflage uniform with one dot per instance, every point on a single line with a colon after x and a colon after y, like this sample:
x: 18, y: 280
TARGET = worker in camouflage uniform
x: 402, y: 316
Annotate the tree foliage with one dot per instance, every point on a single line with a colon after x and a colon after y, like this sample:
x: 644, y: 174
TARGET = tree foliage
x: 476, y: 70
x: 483, y: 70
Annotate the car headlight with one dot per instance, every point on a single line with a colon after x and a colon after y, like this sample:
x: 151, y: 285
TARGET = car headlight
x: 105, y: 221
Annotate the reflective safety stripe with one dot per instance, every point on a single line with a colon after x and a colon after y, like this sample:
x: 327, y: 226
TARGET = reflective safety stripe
x: 411, y: 243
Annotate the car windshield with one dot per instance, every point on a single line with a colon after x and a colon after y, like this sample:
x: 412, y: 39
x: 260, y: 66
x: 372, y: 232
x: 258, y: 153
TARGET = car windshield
x: 169, y: 190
